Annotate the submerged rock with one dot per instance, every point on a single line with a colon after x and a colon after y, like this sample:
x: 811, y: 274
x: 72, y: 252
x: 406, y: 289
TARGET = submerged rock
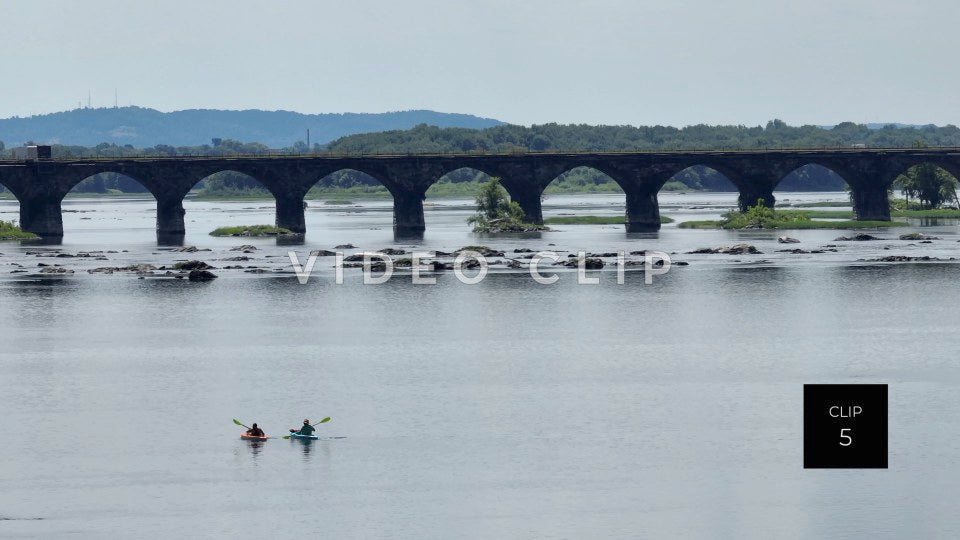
x: 392, y: 251
x: 138, y: 268
x: 918, y: 236
x: 787, y: 240
x: 906, y: 258
x: 737, y: 249
x: 589, y: 263
x: 246, y: 248
x: 55, y: 270
x: 322, y: 253
x: 856, y: 238
x: 482, y: 250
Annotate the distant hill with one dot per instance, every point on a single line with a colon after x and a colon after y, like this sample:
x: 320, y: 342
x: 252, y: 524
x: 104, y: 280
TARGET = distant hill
x: 143, y: 127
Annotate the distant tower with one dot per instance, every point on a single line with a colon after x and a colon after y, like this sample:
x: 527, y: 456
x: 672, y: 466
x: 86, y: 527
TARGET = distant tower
x: 88, y: 99
x: 116, y: 99
x: 308, y: 139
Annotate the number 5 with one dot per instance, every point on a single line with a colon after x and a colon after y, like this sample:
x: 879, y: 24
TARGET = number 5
x: 845, y: 436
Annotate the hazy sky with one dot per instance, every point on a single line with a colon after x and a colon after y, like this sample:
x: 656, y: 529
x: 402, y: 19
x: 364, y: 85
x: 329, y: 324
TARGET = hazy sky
x: 674, y: 62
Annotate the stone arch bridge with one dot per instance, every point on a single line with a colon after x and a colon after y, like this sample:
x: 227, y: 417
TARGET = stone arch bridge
x: 41, y: 185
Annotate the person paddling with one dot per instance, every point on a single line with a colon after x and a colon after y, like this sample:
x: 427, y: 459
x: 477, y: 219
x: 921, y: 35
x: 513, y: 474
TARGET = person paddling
x: 254, y: 431
x: 307, y: 429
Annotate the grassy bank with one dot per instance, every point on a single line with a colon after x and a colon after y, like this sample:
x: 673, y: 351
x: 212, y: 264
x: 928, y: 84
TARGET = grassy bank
x: 847, y: 224
x: 9, y: 231
x: 764, y: 217
x: 593, y: 220
x: 251, y: 230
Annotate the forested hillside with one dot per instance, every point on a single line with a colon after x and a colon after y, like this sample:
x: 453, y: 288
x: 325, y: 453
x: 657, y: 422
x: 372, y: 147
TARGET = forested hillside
x: 142, y: 127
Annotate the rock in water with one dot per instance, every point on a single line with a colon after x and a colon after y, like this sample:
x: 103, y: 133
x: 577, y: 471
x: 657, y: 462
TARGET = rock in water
x: 738, y: 249
x: 482, y: 250
x: 201, y: 275
x: 918, y: 236
x: 856, y: 238
x: 787, y: 240
x: 192, y: 265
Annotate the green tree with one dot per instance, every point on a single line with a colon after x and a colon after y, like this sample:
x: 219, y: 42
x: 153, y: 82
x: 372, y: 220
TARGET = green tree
x: 496, y: 212
x: 929, y: 184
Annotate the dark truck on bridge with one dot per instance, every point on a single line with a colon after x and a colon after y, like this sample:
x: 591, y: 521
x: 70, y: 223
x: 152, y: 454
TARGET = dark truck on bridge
x: 33, y: 152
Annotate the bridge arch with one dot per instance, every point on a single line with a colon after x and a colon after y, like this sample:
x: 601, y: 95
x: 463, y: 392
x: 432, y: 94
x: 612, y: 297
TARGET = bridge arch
x: 810, y: 176
x: 346, y: 178
x: 230, y: 182
x: 408, y: 218
x: 451, y: 182
x: 8, y: 196
x: 586, y: 176
x: 705, y: 177
x: 105, y: 181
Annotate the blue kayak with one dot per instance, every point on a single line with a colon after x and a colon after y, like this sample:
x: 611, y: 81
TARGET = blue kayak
x: 303, y: 437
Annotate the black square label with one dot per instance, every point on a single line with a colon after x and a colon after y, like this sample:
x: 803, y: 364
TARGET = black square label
x: 845, y: 426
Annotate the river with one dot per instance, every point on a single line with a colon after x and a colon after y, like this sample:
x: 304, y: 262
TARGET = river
x: 505, y: 409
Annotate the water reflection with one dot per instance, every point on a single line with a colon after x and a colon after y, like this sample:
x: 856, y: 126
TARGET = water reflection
x: 291, y: 240
x: 649, y: 235
x: 164, y: 239
x: 43, y: 241
x: 307, y: 447
x: 255, y: 448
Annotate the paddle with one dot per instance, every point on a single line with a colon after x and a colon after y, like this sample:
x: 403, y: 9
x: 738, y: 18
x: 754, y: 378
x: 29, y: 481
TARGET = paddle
x: 325, y: 420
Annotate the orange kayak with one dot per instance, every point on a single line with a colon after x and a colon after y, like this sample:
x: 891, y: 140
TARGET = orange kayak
x: 246, y: 437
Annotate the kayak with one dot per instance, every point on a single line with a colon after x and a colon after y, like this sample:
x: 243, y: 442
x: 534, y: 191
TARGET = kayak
x: 245, y: 437
x: 303, y: 437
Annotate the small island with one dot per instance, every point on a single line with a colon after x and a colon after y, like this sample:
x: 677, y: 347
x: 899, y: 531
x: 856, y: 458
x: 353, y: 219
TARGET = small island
x: 764, y: 217
x: 251, y: 230
x: 496, y: 213
x: 10, y: 231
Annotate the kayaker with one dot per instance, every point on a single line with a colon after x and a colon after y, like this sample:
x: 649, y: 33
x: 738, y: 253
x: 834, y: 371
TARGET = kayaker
x: 255, y: 431
x: 307, y: 429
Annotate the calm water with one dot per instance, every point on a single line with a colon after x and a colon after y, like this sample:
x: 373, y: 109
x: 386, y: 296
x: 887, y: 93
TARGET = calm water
x: 501, y: 410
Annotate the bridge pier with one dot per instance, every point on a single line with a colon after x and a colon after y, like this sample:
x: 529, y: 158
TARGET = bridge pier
x: 408, y: 219
x: 170, y: 223
x: 42, y: 216
x: 643, y: 211
x: 290, y: 214
x: 751, y: 194
x: 528, y: 197
x: 870, y: 202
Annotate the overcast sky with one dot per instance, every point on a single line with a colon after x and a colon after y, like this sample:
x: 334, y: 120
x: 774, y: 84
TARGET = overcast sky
x: 672, y: 62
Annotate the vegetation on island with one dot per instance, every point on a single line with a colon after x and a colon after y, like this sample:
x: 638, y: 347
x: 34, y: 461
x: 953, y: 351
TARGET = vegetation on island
x: 496, y: 213
x: 761, y: 216
x: 250, y: 230
x: 10, y: 231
